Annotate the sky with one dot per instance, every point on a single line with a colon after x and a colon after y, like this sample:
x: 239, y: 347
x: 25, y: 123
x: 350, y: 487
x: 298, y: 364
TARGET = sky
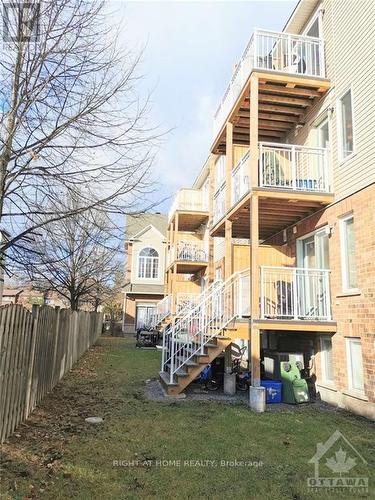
x: 191, y: 48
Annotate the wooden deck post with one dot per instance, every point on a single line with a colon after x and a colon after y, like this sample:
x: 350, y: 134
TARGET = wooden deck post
x: 228, y: 264
x: 254, y: 334
x: 228, y: 165
x: 211, y: 192
x: 228, y: 189
x: 253, y: 138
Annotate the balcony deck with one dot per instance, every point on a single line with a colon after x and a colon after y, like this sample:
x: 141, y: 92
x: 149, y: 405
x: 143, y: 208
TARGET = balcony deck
x: 291, y: 75
x: 188, y: 257
x: 283, y: 99
x: 192, y: 208
x: 278, y: 209
x: 293, y: 182
x: 241, y: 327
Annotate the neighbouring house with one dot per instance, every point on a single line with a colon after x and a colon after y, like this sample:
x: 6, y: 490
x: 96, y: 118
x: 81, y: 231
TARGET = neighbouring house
x: 276, y: 238
x: 28, y: 296
x: 145, y: 249
x: 11, y: 296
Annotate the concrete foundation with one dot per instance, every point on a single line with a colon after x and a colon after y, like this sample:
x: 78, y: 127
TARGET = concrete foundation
x: 230, y: 383
x: 257, y: 399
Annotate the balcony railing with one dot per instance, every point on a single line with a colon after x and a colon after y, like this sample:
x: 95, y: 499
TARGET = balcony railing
x: 188, y: 251
x: 272, y: 51
x: 219, y: 204
x: 191, y: 200
x: 185, y: 302
x: 281, y: 166
x: 293, y: 293
x: 240, y: 179
x: 293, y: 167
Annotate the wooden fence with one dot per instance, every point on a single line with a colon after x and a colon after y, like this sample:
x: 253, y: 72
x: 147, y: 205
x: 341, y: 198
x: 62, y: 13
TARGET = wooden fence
x: 36, y: 350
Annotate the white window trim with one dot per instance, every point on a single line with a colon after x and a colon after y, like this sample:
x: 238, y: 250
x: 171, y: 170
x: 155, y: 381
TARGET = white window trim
x: 323, y: 360
x: 341, y: 157
x: 323, y: 229
x: 317, y: 14
x: 349, y: 365
x: 344, y: 271
x: 138, y: 267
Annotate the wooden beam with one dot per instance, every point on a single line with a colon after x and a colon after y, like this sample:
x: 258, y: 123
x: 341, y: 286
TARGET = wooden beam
x: 286, y: 110
x: 305, y: 81
x: 289, y: 91
x: 295, y: 101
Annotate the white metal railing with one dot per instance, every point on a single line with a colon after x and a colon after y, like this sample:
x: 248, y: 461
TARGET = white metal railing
x: 295, y: 293
x: 240, y: 179
x: 216, y: 310
x: 272, y: 51
x: 293, y: 167
x: 163, y: 309
x: 219, y: 204
x: 185, y: 302
x: 191, y: 200
x: 191, y: 251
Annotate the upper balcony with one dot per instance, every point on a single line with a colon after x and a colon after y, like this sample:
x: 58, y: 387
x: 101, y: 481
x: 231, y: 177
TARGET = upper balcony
x: 189, y: 256
x: 291, y: 74
x: 293, y: 181
x: 192, y: 206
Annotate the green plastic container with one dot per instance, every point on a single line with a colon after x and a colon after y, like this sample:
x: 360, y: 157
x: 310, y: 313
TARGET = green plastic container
x: 295, y: 389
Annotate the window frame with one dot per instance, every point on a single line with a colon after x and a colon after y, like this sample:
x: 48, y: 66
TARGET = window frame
x: 153, y: 260
x: 344, y: 255
x: 349, y: 365
x: 317, y: 15
x: 323, y: 361
x: 339, y: 124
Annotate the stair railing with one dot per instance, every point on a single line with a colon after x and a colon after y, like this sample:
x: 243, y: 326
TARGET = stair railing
x: 217, y: 309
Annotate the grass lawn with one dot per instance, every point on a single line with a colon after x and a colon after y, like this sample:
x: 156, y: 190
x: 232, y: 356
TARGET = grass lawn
x: 57, y: 455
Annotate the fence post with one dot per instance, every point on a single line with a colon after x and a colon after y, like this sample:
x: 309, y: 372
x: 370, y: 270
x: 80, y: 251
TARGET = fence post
x: 35, y: 314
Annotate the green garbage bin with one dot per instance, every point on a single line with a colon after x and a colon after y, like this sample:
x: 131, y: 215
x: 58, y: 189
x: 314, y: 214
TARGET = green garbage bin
x: 295, y: 389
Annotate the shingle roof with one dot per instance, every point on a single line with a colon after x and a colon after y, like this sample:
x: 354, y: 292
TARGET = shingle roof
x: 135, y: 223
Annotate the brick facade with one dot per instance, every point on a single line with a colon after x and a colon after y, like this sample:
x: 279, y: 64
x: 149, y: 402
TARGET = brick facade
x: 354, y: 313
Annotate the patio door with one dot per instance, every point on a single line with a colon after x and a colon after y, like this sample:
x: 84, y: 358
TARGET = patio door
x: 313, y: 257
x: 144, y: 314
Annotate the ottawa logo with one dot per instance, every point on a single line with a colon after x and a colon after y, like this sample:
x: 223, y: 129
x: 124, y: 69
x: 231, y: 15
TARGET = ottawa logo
x: 338, y: 466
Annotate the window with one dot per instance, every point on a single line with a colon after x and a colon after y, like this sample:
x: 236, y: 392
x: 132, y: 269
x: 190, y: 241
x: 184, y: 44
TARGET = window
x: 348, y: 264
x: 354, y: 364
x: 326, y: 359
x: 345, y: 125
x: 148, y: 265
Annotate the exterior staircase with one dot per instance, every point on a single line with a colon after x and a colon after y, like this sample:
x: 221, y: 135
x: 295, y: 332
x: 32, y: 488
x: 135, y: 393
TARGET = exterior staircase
x: 196, y: 339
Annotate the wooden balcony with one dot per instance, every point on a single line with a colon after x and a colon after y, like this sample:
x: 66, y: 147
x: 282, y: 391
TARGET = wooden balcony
x: 192, y: 208
x: 188, y: 257
x: 293, y: 182
x: 291, y: 76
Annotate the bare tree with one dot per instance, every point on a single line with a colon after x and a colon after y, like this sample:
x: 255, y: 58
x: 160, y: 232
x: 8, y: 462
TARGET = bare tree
x: 71, y: 120
x: 74, y: 258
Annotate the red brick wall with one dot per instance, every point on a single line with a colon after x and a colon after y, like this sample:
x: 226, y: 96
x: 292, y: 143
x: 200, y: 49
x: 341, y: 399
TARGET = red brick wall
x: 355, y: 314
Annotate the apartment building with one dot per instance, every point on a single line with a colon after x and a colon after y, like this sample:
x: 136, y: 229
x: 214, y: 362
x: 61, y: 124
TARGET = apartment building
x: 145, y: 251
x: 289, y: 219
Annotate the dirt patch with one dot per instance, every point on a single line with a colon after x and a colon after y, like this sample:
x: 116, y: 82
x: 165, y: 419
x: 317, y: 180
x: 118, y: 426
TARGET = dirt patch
x: 35, y: 450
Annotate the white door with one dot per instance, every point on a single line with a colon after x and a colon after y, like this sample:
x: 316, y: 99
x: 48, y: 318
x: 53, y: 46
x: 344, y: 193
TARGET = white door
x: 313, y: 256
x: 144, y: 315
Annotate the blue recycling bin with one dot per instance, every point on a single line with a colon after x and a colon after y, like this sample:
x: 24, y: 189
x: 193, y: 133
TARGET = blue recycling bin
x: 273, y: 390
